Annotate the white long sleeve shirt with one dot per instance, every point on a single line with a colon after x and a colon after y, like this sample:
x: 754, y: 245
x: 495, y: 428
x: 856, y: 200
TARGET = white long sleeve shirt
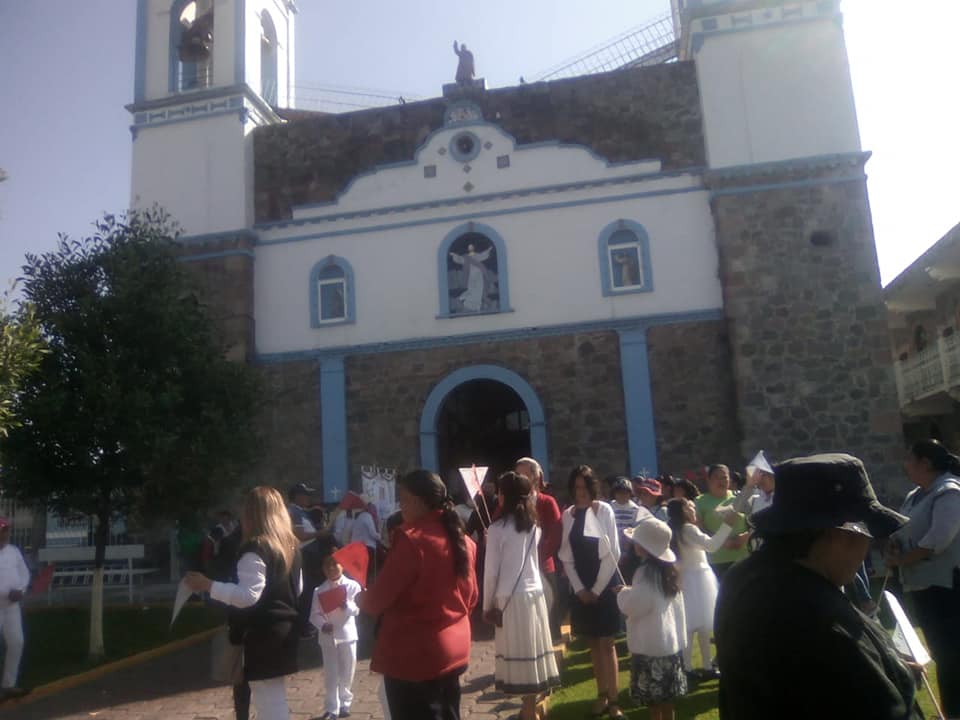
x: 695, y: 544
x: 14, y: 574
x: 363, y: 530
x: 608, y: 548
x: 251, y: 580
x: 342, y: 619
x: 506, y: 550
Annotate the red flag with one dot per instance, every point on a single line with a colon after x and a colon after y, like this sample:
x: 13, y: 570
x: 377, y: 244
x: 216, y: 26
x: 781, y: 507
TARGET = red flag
x: 43, y: 579
x: 354, y: 559
x: 332, y: 599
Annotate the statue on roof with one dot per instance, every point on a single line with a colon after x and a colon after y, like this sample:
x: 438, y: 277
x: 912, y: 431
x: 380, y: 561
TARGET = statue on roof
x: 465, y: 70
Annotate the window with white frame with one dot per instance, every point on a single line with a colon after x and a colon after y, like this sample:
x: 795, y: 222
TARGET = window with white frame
x: 625, y: 258
x: 331, y: 292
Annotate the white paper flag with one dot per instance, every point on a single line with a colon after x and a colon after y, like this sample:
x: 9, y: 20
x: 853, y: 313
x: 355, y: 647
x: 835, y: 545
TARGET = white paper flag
x: 183, y: 594
x: 905, y: 638
x: 473, y: 479
x: 759, y: 462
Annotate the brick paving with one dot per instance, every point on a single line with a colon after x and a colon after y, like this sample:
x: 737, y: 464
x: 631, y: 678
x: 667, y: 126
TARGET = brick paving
x: 177, y: 687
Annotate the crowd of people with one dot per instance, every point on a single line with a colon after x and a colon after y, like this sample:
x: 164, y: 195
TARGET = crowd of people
x: 773, y: 575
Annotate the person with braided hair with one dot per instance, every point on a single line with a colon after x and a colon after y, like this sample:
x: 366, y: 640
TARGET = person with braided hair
x: 423, y: 596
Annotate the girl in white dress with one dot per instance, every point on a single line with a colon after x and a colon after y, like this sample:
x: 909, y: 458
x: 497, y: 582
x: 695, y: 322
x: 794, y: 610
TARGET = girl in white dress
x: 699, y: 583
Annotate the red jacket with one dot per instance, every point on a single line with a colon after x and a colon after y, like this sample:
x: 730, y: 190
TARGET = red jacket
x: 425, y: 625
x: 551, y: 531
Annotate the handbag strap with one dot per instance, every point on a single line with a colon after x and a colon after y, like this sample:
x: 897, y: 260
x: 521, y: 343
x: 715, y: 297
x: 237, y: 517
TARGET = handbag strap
x: 526, y: 556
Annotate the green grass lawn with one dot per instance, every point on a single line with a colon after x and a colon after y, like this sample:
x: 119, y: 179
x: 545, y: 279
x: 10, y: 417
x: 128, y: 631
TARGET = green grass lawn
x: 573, y: 701
x: 57, y: 638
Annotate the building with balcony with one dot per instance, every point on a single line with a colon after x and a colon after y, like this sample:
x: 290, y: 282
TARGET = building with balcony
x: 923, y: 305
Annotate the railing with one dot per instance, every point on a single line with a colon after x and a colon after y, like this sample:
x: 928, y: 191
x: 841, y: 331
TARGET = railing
x: 934, y: 370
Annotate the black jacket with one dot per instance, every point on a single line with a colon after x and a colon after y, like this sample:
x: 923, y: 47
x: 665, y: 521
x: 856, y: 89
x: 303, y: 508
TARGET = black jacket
x: 791, y: 645
x: 269, y: 630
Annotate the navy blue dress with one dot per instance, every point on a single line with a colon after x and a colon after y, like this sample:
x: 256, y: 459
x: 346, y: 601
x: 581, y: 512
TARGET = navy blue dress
x: 601, y: 619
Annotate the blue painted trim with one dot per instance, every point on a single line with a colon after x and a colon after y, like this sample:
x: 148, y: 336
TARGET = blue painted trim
x: 213, y: 255
x: 643, y: 242
x: 240, y: 41
x: 239, y: 112
x: 350, y: 299
x: 455, y: 131
x: 203, y: 239
x: 333, y: 428
x: 503, y: 278
x: 638, y: 401
x: 429, y: 457
x: 140, y: 69
x: 471, y: 216
x: 243, y: 90
x: 462, y: 157
x: 526, y: 333
x: 813, y: 182
x: 812, y: 162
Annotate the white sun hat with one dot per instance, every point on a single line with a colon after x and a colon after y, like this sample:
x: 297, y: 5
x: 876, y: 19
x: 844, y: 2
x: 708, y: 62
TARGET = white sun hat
x: 653, y: 536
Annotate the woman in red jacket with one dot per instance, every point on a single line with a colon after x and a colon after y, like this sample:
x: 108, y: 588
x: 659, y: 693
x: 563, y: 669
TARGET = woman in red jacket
x: 424, y: 595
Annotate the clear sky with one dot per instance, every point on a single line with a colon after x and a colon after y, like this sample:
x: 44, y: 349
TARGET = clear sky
x: 67, y: 72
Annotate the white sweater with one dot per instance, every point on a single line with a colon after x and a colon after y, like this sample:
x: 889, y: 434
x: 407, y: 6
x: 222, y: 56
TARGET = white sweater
x: 506, y: 549
x: 608, y: 548
x: 656, y: 625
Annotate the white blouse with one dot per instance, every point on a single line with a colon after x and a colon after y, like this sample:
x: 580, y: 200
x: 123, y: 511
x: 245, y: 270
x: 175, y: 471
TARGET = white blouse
x: 608, y: 548
x: 504, y: 563
x: 251, y: 580
x: 695, y: 544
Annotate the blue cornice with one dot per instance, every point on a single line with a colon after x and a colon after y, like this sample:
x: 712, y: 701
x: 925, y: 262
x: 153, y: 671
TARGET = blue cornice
x: 219, y: 254
x: 637, y: 322
x: 786, y: 185
x: 206, y: 238
x: 215, y: 93
x: 813, y: 162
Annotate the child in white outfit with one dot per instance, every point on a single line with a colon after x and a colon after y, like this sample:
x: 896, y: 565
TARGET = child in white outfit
x: 338, y: 640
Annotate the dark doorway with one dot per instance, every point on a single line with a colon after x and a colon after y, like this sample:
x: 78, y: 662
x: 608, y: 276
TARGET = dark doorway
x: 481, y: 422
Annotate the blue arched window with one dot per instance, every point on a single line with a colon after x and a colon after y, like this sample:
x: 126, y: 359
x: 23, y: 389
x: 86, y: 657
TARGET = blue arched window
x: 332, y: 293
x: 268, y: 59
x: 191, y: 45
x: 472, y: 272
x: 625, y: 258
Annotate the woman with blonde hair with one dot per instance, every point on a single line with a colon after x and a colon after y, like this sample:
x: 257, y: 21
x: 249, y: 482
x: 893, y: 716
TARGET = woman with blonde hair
x: 264, y: 600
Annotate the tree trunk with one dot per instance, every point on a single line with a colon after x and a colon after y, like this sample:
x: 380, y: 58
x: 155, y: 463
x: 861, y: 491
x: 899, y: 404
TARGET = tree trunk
x: 100, y: 537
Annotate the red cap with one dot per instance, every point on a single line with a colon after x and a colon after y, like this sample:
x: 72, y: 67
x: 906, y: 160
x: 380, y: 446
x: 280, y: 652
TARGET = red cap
x: 649, y: 484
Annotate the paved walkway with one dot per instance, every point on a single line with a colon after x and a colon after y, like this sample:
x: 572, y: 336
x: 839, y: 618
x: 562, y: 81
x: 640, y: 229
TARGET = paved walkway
x: 176, y: 687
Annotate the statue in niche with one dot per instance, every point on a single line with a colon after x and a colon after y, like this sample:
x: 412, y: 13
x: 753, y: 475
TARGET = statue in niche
x: 477, y: 279
x: 465, y: 69
x: 626, y: 261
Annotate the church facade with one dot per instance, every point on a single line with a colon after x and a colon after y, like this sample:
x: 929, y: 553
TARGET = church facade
x: 645, y: 270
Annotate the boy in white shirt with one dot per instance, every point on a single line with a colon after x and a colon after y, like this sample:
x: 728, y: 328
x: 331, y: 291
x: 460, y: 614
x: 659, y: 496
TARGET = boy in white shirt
x: 14, y: 578
x: 338, y: 638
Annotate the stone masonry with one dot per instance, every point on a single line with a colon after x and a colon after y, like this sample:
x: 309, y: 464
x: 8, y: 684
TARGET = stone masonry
x: 811, y: 357
x: 694, y: 404
x: 639, y: 114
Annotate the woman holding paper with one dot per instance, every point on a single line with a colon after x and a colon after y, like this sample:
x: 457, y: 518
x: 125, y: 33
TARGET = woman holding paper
x: 265, y: 597
x: 589, y: 551
x: 691, y: 545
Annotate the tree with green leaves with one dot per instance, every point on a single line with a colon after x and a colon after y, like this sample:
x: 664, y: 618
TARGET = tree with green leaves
x: 21, y: 348
x: 135, y: 409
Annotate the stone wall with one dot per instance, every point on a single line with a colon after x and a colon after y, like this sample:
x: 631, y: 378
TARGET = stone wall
x: 223, y: 269
x: 644, y: 113
x: 808, y: 329
x: 694, y: 404
x: 289, y: 425
x: 576, y: 377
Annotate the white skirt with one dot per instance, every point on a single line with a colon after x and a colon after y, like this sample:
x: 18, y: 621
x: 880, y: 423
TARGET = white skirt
x: 525, y: 662
x: 699, y: 598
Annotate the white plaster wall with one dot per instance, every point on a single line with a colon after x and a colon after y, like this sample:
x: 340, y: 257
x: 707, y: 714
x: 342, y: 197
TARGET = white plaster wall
x: 553, y: 267
x: 197, y: 170
x: 530, y: 166
x: 283, y: 22
x: 777, y: 93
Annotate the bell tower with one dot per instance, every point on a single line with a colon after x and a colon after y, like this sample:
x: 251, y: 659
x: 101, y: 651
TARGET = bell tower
x: 208, y: 72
